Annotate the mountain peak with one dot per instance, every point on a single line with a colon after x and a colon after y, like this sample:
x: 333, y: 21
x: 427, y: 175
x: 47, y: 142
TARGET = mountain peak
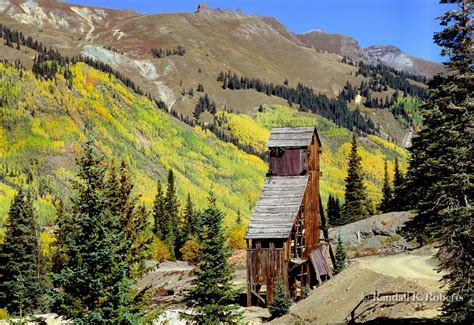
x: 384, y: 48
x: 202, y: 7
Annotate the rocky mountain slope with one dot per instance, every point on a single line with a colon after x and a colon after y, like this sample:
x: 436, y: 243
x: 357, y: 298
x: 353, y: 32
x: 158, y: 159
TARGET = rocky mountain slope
x: 385, y: 54
x: 397, y: 59
x: 335, y: 43
x: 214, y: 40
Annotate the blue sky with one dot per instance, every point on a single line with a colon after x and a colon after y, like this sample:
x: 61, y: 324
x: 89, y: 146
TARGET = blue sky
x: 407, y: 24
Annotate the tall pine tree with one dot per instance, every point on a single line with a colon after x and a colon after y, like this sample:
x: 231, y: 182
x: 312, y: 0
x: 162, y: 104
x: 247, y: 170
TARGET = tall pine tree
x: 213, y: 297
x: 187, y: 226
x: 132, y: 219
x: 171, y: 214
x: 189, y: 218
x: 387, y: 198
x: 20, y: 288
x: 398, y: 198
x: 334, y: 211
x: 161, y: 223
x: 355, y: 196
x: 440, y: 176
x: 94, y: 281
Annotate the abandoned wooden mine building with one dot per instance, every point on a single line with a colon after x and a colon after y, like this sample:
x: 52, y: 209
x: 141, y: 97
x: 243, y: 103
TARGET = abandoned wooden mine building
x: 283, y: 236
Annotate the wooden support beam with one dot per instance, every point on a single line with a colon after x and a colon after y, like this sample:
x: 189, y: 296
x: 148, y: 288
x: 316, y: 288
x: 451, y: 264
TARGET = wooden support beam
x: 256, y: 294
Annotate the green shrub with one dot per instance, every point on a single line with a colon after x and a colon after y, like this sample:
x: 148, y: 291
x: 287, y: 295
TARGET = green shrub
x: 282, y: 302
x: 342, y: 260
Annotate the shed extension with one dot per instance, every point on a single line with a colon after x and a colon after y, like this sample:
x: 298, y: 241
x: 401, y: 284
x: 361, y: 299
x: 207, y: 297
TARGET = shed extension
x: 277, y: 208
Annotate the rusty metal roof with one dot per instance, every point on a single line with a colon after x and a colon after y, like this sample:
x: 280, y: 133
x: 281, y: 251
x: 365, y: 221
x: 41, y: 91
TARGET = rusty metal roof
x: 319, y: 262
x: 277, y: 208
x: 292, y: 137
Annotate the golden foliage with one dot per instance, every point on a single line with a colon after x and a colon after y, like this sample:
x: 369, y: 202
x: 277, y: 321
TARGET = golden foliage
x: 160, y: 251
x: 236, y: 238
x: 124, y: 126
x: 4, y: 314
x: 245, y: 130
x: 191, y: 250
x: 46, y: 241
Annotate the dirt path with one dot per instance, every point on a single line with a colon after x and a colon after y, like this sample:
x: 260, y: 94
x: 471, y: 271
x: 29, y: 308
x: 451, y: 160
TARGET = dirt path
x: 419, y: 268
x: 333, y: 301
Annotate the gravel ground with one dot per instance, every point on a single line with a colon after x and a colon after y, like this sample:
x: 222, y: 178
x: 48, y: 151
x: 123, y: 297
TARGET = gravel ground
x: 333, y: 301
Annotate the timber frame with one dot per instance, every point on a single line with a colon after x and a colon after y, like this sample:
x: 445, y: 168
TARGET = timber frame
x: 283, y: 236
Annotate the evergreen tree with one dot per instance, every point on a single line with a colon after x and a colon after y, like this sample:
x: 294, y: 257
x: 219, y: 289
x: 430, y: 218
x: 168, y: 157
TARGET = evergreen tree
x: 94, y: 282
x: 187, y: 228
x: 213, y: 297
x: 398, y: 190
x: 440, y: 175
x: 387, y: 199
x: 355, y: 205
x: 342, y: 260
x: 171, y: 214
x: 282, y: 302
x: 20, y: 288
x: 334, y: 211
x: 161, y: 224
x: 190, y: 218
x: 58, y: 247
x: 132, y: 219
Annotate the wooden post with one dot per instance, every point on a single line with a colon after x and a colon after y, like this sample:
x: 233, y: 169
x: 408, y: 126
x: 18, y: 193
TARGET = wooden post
x: 249, y: 269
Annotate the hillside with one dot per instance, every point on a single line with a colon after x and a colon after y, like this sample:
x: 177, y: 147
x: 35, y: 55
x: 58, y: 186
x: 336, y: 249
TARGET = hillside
x: 335, y: 145
x: 43, y: 123
x: 335, y: 43
x: 213, y: 40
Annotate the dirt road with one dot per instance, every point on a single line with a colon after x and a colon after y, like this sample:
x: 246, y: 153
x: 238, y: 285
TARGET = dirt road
x: 419, y: 268
x: 333, y: 301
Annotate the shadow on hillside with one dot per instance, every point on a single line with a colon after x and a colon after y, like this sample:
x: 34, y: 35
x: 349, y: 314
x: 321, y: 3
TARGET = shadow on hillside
x: 403, y: 321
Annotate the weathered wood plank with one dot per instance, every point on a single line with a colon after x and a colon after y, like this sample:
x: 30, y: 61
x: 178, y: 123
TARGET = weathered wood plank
x: 284, y: 202
x: 267, y: 236
x: 269, y: 227
x: 288, y: 143
x: 263, y: 222
x: 285, y: 183
x: 296, y: 195
x: 289, y: 130
x: 288, y: 207
x: 269, y: 231
x: 252, y: 232
x: 306, y: 137
x: 271, y: 217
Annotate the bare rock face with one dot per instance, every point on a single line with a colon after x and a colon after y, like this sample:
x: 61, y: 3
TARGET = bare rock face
x: 4, y: 4
x: 385, y: 54
x: 202, y: 7
x: 376, y: 234
x: 391, y: 56
x: 335, y: 43
x: 395, y: 58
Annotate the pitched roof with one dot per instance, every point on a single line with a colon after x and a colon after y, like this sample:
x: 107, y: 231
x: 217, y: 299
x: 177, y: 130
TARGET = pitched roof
x: 277, y: 208
x: 292, y: 137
